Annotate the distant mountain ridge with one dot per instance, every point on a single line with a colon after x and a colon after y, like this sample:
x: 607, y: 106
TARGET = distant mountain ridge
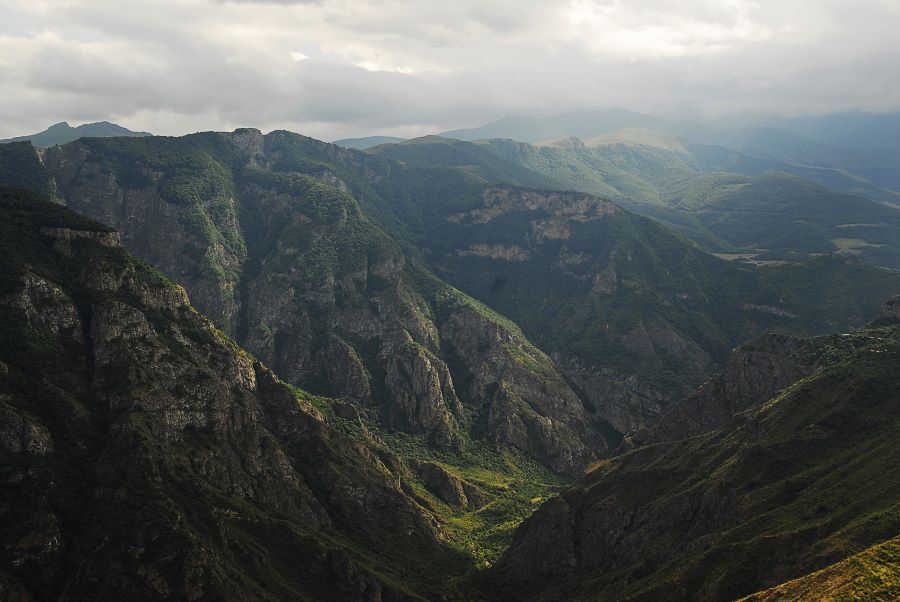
x: 62, y: 133
x: 582, y: 124
x: 801, y: 144
x: 856, y: 130
x: 852, y: 130
x: 367, y: 141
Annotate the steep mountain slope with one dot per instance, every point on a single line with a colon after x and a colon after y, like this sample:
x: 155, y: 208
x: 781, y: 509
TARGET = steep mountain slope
x: 61, y: 133
x: 286, y: 263
x: 754, y: 372
x: 20, y: 167
x: 873, y: 574
x: 784, y: 489
x: 143, y: 452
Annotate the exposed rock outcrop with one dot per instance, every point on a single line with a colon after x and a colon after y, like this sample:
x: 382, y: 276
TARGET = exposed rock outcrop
x: 891, y: 308
x: 421, y: 391
x: 521, y: 399
x: 754, y: 373
x: 448, y: 488
x: 144, y: 453
x: 565, y: 208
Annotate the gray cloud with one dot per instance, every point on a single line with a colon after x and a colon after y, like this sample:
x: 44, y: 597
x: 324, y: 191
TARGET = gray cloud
x: 334, y: 68
x: 282, y: 2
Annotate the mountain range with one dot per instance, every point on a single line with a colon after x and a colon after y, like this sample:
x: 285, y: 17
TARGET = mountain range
x: 246, y: 366
x: 855, y: 131
x: 752, y: 193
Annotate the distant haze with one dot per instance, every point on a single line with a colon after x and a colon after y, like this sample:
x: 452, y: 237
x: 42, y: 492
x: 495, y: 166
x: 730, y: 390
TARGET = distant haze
x: 347, y: 68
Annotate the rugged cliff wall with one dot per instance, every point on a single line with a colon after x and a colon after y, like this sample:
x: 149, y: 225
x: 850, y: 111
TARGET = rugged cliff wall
x: 755, y: 372
x: 143, y: 452
x: 287, y: 264
x: 891, y: 308
x: 268, y: 235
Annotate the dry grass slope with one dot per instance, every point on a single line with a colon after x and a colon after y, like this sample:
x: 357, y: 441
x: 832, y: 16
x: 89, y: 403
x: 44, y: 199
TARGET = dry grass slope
x: 873, y: 574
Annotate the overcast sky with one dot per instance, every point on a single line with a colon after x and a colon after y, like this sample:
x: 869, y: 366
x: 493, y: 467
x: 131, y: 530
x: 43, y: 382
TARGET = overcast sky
x: 336, y: 68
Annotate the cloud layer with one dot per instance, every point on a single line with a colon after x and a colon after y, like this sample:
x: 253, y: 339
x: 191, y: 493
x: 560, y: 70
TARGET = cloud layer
x: 335, y: 68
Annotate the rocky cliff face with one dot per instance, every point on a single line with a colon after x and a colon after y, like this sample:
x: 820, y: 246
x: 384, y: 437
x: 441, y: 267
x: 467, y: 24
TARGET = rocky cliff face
x: 287, y: 264
x: 623, y: 398
x: 202, y: 244
x: 755, y: 372
x: 518, y: 397
x: 143, y: 452
x: 777, y: 492
x: 891, y: 308
x: 553, y: 260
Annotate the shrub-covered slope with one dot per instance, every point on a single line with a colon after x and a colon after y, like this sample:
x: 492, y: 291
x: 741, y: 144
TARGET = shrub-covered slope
x: 789, y: 487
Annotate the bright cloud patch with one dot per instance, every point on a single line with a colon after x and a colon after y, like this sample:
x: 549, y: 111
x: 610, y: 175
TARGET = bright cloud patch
x: 411, y: 67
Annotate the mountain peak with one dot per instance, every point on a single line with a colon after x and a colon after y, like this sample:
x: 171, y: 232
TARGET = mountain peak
x: 62, y: 133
